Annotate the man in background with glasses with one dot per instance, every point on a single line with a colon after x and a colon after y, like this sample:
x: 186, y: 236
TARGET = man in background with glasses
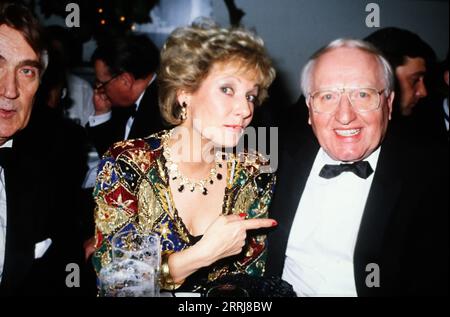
x: 125, y: 91
x: 360, y: 213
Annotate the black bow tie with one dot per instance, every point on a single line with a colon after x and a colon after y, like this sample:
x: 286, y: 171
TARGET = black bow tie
x: 5, y: 156
x: 361, y: 169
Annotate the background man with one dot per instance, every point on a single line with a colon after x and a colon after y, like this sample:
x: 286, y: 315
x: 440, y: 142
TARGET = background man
x: 411, y: 58
x: 125, y: 96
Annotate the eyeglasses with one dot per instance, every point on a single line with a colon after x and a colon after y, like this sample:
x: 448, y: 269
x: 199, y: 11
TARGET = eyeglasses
x: 361, y: 99
x: 100, y: 85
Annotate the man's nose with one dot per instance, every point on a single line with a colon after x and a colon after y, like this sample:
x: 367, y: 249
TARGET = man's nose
x: 8, y: 86
x: 345, y: 113
x: 421, y: 90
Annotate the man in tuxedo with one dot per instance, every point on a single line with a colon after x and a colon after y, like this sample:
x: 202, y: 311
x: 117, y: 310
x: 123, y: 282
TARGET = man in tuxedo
x: 413, y: 62
x: 126, y: 93
x: 432, y: 114
x: 411, y: 59
x: 38, y: 188
x: 360, y: 213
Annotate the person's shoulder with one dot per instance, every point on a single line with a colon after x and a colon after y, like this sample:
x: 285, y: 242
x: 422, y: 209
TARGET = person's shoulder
x: 255, y: 166
x: 253, y: 161
x: 126, y: 162
x: 134, y: 148
x: 416, y: 156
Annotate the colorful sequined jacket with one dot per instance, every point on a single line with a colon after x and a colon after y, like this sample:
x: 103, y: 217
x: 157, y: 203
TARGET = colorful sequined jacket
x: 132, y: 191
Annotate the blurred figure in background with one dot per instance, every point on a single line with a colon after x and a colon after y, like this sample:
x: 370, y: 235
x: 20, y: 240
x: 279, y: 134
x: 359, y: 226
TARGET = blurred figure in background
x: 126, y: 93
x: 431, y: 116
x: 411, y: 59
x: 74, y: 92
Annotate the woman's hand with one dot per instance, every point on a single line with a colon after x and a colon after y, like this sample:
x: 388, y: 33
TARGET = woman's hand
x: 226, y: 236
x: 89, y: 248
x: 223, y: 238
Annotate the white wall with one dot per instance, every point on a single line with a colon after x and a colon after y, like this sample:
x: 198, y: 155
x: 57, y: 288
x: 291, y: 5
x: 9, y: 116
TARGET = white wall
x: 294, y: 29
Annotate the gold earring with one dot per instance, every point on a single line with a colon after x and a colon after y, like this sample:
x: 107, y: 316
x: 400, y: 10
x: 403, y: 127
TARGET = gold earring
x: 183, y: 112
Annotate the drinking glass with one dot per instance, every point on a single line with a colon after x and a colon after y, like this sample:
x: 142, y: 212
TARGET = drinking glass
x: 135, y: 266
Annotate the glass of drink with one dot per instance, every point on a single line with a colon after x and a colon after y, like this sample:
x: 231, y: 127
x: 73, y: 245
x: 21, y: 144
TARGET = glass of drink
x: 128, y: 278
x: 134, y: 270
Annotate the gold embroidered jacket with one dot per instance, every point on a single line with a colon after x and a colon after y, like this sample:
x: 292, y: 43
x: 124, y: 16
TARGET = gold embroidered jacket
x: 132, y: 191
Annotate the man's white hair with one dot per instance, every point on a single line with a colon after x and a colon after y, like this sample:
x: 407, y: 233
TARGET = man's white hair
x: 386, y: 69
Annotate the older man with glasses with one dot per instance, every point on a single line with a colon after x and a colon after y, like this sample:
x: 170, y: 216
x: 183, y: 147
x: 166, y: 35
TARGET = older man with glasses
x: 360, y: 213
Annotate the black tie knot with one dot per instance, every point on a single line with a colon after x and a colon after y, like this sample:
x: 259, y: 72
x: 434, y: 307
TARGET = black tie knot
x: 361, y: 169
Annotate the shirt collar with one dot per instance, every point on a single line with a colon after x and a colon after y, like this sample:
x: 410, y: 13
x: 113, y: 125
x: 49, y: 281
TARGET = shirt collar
x: 323, y: 158
x: 372, y: 158
x: 7, y: 144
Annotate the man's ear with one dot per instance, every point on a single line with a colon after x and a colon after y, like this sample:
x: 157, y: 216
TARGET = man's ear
x: 127, y: 79
x: 307, y: 101
x: 390, y: 102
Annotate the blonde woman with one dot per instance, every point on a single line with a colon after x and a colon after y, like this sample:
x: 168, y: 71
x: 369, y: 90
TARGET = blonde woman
x: 205, y: 205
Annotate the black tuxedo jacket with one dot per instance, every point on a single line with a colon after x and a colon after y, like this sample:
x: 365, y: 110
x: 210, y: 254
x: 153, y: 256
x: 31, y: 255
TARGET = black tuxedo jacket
x: 42, y: 192
x: 429, y: 120
x: 404, y: 228
x: 146, y: 122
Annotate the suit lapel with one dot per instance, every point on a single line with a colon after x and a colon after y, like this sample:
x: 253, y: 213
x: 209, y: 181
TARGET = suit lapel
x: 19, y: 248
x: 147, y: 120
x: 383, y: 195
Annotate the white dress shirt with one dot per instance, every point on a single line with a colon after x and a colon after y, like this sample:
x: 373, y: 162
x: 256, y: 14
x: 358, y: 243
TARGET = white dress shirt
x: 81, y: 94
x: 319, y: 254
x: 3, y: 213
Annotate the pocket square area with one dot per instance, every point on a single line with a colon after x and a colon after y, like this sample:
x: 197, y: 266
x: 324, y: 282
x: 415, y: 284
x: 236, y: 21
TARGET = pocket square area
x: 41, y: 247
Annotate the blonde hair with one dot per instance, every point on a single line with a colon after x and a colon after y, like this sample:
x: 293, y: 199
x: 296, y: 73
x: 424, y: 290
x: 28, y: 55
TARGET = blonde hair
x: 190, y: 52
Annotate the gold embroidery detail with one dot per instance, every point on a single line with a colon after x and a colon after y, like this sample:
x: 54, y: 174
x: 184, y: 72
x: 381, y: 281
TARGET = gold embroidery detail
x: 105, y: 258
x: 124, y: 205
x: 245, y: 199
x: 140, y: 158
x: 149, y: 210
x: 124, y: 144
x: 104, y: 176
x: 162, y: 173
x: 218, y: 272
x: 109, y: 218
x: 163, y: 230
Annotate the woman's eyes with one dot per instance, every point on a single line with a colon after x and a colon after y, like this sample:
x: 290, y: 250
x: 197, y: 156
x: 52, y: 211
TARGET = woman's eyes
x: 229, y: 91
x: 251, y: 98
